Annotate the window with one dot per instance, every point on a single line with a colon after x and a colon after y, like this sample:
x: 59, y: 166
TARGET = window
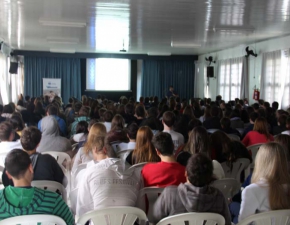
x: 230, y: 78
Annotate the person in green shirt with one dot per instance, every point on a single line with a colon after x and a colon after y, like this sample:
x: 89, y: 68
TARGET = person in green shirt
x: 23, y: 199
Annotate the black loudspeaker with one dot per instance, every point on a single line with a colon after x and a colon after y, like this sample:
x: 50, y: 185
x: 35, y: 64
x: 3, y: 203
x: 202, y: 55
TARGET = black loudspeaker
x: 210, y: 71
x: 13, y: 67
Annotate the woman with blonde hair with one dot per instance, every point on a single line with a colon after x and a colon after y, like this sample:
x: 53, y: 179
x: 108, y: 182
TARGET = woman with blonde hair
x: 144, y: 150
x: 259, y: 134
x: 84, y: 154
x: 270, y: 185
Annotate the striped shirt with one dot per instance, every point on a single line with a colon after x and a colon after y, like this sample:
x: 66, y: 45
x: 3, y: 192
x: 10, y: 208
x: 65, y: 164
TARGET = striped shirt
x: 42, y: 202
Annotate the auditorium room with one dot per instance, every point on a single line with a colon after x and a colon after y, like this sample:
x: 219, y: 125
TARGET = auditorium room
x: 156, y: 112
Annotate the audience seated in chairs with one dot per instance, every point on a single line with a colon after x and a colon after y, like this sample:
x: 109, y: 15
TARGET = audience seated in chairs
x: 45, y: 167
x: 213, y: 122
x: 144, y: 150
x: 168, y: 171
x: 193, y: 196
x: 250, y: 127
x: 226, y: 127
x: 23, y: 199
x: 51, y: 140
x: 107, y: 181
x: 85, y: 154
x: 260, y: 133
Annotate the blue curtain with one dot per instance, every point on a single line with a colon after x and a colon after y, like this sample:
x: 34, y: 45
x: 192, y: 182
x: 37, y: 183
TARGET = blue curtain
x: 67, y: 69
x: 157, y: 76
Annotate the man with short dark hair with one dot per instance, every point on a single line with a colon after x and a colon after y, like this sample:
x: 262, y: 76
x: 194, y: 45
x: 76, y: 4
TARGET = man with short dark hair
x: 168, y: 171
x: 23, y: 199
x: 171, y: 93
x: 45, y: 166
x: 7, y: 135
x: 168, y: 120
x: 52, y: 110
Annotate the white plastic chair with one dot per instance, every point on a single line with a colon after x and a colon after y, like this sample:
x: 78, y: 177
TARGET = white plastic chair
x: 33, y: 220
x: 52, y: 186
x: 75, y: 173
x: 73, y: 196
x: 234, y: 137
x: 211, y: 131
x: 193, y: 219
x: 277, y: 217
x: 228, y: 186
x: 238, y: 167
x: 124, y: 154
x: 114, y: 216
x: 152, y: 194
x: 254, y: 150
x: 63, y: 158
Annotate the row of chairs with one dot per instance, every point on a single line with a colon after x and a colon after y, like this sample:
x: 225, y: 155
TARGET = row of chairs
x: 129, y: 215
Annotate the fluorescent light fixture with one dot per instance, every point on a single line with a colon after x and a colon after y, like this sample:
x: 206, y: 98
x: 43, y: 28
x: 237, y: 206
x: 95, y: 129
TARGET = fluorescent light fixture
x: 184, y: 45
x: 234, y: 28
x: 112, y: 8
x: 159, y: 53
x: 59, y: 50
x: 58, y: 40
x: 62, y: 23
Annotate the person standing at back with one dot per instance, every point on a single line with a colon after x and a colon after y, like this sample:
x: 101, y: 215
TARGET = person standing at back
x: 168, y: 121
x: 168, y: 171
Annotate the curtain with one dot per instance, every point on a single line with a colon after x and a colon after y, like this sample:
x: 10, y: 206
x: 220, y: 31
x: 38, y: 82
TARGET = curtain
x: 229, y: 78
x: 271, y: 77
x: 157, y: 76
x: 67, y: 69
x: 17, y: 83
x: 245, y: 79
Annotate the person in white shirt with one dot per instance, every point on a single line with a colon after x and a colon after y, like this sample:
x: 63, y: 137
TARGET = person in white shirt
x: 168, y: 120
x: 85, y: 154
x: 270, y: 187
x: 108, y: 116
x: 106, y: 181
x: 6, y: 144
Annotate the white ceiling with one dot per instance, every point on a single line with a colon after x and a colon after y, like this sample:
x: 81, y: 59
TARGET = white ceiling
x: 145, y: 26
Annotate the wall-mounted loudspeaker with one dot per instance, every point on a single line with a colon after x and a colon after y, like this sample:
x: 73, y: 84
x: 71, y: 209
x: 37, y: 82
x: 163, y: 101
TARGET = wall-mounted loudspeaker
x: 210, y: 71
x: 13, y: 67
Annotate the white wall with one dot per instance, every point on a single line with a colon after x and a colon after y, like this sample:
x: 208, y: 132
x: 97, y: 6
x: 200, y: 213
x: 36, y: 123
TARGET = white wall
x: 255, y: 64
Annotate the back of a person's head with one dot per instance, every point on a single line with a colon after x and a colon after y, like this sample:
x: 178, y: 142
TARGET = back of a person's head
x: 163, y: 143
x: 91, y: 123
x: 188, y: 111
x: 153, y: 111
x: 275, y: 105
x: 140, y: 111
x: 141, y: 99
x: 27, y: 98
x: 235, y: 113
x: 1, y: 109
x: 77, y: 106
x: 30, y: 138
x: 198, y: 141
x: 108, y: 116
x: 220, y: 141
x: 193, y: 123
x: 288, y: 122
x: 17, y: 163
x: 256, y: 106
x: 261, y: 126
x: 262, y: 112
x: 271, y: 165
x: 168, y: 118
x: 284, y: 140
x: 199, y: 170
x: 20, y: 103
x: 82, y: 127
x: 129, y: 109
x: 214, y: 111
x: 118, y: 122
x: 84, y: 111
x: 266, y: 105
x: 17, y: 123
x: 282, y: 120
x: 52, y: 110
x: 8, y: 109
x: 97, y: 130
x: 132, y: 130
x: 6, y: 130
x: 146, y: 100
x: 225, y: 123
x: 254, y: 116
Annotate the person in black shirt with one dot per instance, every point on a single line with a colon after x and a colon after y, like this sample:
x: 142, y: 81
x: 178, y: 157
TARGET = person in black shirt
x: 45, y: 166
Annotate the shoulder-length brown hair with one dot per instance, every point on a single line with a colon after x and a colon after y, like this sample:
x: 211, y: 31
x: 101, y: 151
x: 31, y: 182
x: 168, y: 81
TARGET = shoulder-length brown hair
x: 144, y: 150
x: 261, y: 126
x: 97, y: 130
x: 118, y: 122
x: 198, y: 142
x: 271, y: 165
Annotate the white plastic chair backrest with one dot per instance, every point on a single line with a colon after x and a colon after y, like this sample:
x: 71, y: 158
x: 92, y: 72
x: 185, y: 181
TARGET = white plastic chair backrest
x: 122, y: 215
x: 228, y: 186
x: 52, y: 186
x: 254, y: 150
x: 75, y: 173
x: 193, y: 219
x: 1, y: 172
x: 124, y: 154
x: 277, y: 217
x: 138, y: 167
x: 238, y: 166
x: 33, y: 220
x: 73, y: 196
x: 234, y: 137
x: 2, y: 158
x: 211, y: 131
x: 61, y: 157
x: 115, y: 145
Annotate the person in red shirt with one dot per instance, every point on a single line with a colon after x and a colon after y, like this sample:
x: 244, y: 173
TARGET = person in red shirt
x: 168, y: 171
x: 260, y: 133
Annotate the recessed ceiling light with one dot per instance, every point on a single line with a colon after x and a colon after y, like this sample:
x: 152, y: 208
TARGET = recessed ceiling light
x: 184, y: 45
